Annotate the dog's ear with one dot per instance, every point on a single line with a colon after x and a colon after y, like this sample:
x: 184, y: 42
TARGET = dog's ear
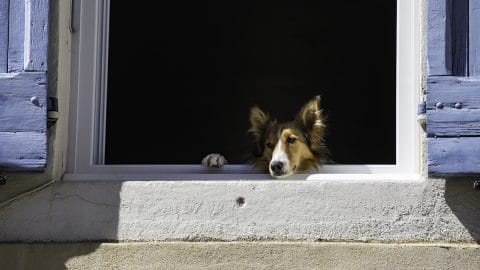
x: 311, y: 120
x: 258, y: 122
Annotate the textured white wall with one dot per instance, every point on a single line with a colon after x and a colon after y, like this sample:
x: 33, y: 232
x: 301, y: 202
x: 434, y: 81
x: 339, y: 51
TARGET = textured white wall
x: 432, y: 210
x: 383, y: 210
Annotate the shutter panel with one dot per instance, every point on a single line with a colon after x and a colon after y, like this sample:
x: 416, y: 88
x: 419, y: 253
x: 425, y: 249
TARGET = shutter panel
x: 23, y: 84
x: 453, y: 87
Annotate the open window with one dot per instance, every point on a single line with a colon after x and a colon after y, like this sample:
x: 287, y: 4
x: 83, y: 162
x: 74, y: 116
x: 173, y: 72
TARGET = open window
x: 157, y: 88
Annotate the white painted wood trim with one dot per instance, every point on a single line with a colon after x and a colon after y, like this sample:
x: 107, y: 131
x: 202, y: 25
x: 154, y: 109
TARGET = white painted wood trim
x: 408, y: 84
x: 88, y: 92
x: 101, y: 98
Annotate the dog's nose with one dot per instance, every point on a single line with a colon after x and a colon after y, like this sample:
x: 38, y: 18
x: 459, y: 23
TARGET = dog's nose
x: 276, y: 167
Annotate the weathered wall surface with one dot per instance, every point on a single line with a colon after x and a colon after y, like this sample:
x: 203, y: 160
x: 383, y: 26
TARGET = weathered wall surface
x: 238, y: 255
x: 416, y: 210
x: 387, y: 211
x: 428, y: 210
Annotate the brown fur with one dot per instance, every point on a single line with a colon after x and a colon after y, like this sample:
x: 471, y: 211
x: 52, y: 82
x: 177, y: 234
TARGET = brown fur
x: 301, y: 139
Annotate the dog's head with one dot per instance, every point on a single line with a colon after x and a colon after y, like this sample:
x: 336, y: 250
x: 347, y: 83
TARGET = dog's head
x: 286, y: 148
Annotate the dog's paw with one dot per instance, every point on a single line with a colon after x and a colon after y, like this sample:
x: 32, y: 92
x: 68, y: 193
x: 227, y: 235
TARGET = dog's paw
x: 214, y: 161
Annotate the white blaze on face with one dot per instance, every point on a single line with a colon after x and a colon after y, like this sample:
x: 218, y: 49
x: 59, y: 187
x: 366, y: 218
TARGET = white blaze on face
x: 279, y: 155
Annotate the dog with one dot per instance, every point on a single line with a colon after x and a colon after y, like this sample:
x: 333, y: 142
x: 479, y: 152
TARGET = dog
x: 283, y: 149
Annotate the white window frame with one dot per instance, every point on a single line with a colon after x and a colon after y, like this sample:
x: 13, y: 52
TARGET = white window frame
x: 88, y: 110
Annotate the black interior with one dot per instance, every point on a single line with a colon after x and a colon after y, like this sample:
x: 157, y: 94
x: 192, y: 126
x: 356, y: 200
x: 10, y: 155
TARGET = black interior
x: 182, y: 76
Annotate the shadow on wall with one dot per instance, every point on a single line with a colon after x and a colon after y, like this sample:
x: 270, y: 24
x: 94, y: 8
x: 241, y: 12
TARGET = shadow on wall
x: 49, y: 256
x: 65, y: 212
x: 464, y: 202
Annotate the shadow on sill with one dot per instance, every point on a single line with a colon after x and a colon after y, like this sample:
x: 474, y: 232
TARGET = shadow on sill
x: 464, y: 202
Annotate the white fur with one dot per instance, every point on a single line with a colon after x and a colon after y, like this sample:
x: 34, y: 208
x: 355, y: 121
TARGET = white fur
x: 318, y: 123
x: 280, y: 156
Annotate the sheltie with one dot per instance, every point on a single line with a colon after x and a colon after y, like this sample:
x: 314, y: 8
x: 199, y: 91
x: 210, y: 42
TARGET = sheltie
x: 283, y: 149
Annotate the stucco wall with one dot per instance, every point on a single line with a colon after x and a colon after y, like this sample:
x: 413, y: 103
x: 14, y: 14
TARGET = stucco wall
x: 387, y: 211
x: 239, y: 255
x: 378, y: 211
x: 417, y: 211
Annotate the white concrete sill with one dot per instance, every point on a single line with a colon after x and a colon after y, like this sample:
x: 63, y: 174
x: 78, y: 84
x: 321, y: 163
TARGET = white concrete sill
x: 349, y: 177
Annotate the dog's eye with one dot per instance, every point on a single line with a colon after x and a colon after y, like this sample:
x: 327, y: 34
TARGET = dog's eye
x: 291, y: 140
x: 269, y: 145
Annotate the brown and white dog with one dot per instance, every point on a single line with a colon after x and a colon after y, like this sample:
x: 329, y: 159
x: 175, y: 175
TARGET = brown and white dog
x: 285, y: 148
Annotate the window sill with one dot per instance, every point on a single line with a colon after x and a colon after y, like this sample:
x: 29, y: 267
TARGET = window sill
x: 235, y: 172
x: 329, y: 177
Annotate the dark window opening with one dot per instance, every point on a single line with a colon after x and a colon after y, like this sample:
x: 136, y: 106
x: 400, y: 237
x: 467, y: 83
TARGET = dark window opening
x: 183, y: 75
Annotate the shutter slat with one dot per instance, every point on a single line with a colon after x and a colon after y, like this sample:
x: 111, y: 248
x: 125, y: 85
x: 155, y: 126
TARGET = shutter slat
x: 437, y: 33
x: 453, y: 122
x: 3, y: 35
x: 447, y: 156
x: 22, y: 151
x: 36, y: 35
x: 16, y: 38
x: 474, y: 49
x: 451, y: 90
x: 457, y: 33
x: 23, y: 102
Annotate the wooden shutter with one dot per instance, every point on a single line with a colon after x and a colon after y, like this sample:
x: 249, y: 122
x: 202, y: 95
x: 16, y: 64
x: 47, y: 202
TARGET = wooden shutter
x: 23, y: 84
x: 453, y: 87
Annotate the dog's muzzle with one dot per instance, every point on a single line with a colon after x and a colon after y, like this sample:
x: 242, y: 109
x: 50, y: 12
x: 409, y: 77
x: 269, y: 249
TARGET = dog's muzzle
x: 279, y: 169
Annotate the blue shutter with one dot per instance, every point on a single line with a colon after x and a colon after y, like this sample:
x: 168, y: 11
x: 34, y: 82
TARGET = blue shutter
x: 453, y: 87
x: 23, y: 84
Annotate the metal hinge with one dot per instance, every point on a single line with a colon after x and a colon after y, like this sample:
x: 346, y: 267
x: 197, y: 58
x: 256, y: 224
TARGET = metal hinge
x: 421, y: 113
x: 52, y: 110
x: 3, y: 179
x: 422, y: 108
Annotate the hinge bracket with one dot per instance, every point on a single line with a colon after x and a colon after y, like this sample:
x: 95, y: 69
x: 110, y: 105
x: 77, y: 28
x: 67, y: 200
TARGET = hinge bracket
x: 3, y: 179
x: 52, y: 104
x: 421, y: 112
x: 422, y: 108
x: 52, y: 110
